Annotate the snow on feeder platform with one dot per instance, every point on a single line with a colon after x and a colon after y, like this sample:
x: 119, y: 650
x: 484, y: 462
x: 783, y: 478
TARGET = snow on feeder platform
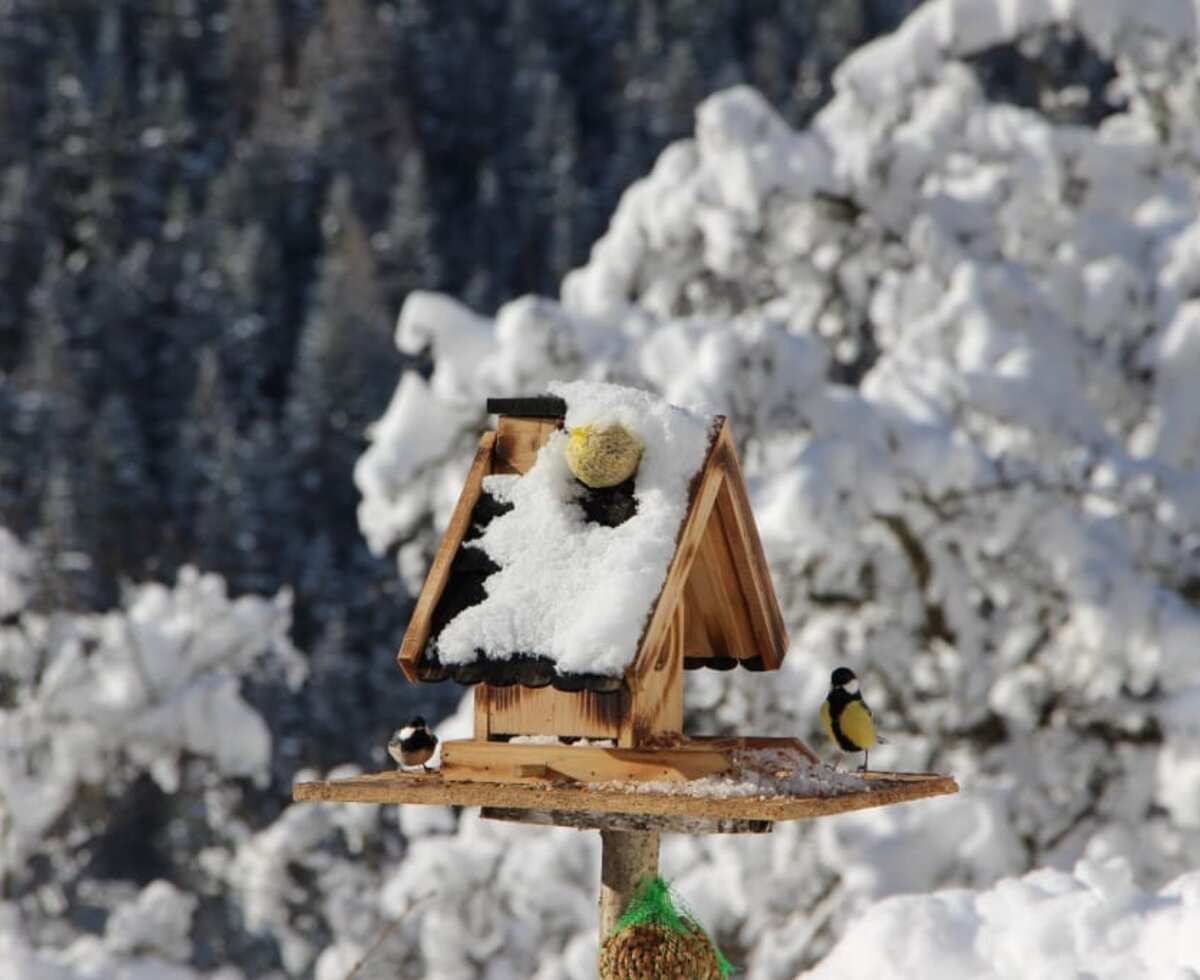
x: 574, y: 611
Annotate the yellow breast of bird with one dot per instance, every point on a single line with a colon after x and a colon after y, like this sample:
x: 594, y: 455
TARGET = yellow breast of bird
x: 857, y: 725
x: 827, y: 721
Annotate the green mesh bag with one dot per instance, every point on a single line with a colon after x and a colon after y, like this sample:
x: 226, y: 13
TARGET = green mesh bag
x: 658, y: 938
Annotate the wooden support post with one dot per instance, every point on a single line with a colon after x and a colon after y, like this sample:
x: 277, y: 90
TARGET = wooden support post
x: 626, y: 857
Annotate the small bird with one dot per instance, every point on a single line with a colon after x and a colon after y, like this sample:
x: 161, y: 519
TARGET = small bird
x: 603, y: 455
x: 413, y: 744
x: 845, y: 715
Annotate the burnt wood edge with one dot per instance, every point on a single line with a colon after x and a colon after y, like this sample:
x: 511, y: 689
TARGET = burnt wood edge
x: 531, y: 672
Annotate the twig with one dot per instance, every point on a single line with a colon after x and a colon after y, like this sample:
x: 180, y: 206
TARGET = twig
x: 383, y: 934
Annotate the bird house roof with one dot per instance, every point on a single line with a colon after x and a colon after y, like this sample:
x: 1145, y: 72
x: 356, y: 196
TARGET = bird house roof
x: 540, y: 580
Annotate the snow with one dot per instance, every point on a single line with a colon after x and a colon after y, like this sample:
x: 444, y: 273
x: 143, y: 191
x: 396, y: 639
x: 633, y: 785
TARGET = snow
x: 142, y: 686
x: 145, y: 939
x: 16, y: 568
x: 989, y: 508
x: 756, y: 772
x: 158, y: 920
x: 1093, y: 921
x: 573, y: 591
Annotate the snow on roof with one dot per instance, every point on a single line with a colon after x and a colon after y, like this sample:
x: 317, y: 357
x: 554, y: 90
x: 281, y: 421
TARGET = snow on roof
x: 573, y: 591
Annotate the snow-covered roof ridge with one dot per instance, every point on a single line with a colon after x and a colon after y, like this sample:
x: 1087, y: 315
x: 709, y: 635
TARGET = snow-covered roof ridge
x: 577, y: 592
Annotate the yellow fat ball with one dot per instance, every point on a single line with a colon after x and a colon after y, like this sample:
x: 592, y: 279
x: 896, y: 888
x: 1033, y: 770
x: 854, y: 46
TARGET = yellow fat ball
x: 603, y: 455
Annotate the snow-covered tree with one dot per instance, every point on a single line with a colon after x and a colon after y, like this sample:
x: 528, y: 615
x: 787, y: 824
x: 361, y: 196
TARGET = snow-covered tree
x: 956, y: 339
x: 127, y: 754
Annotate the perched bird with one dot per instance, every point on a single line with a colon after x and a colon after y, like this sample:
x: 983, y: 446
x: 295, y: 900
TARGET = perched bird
x: 845, y: 715
x: 603, y: 455
x: 413, y: 744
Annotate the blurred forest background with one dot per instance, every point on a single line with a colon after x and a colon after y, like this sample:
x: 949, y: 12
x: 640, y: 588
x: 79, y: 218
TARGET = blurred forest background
x: 210, y: 215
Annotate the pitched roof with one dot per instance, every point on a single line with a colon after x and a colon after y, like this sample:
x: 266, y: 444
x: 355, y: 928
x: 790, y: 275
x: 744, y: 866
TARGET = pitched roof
x: 540, y: 580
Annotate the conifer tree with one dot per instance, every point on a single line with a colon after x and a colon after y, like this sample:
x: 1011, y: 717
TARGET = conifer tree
x: 119, y: 507
x: 407, y: 250
x: 345, y: 366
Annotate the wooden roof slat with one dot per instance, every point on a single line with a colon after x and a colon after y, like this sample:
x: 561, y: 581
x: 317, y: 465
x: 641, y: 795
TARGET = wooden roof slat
x: 417, y: 634
x: 737, y: 520
x: 704, y: 498
x: 719, y: 621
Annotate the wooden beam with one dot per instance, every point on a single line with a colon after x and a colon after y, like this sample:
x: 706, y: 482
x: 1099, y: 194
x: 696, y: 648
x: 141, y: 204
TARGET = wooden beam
x: 737, y: 519
x: 518, y: 761
x: 519, y: 710
x: 483, y: 725
x: 417, y: 634
x: 725, y: 742
x: 656, y: 689
x: 596, y: 820
x: 419, y: 787
x: 719, y: 620
x: 704, y: 498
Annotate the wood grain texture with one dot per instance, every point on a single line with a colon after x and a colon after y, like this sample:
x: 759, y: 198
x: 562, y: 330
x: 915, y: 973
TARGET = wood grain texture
x: 719, y: 618
x: 656, y: 688
x: 431, y: 788
x: 518, y: 710
x: 725, y: 742
x: 483, y: 724
x: 417, y: 634
x: 518, y: 441
x: 520, y: 761
x: 737, y: 520
x: 595, y: 820
x: 704, y: 498
x: 626, y: 858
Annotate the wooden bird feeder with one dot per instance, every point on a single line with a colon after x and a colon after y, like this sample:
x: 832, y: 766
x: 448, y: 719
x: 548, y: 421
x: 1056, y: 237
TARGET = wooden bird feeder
x: 609, y: 752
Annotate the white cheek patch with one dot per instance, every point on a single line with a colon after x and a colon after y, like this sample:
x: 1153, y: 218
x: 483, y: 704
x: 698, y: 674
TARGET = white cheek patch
x: 851, y: 686
x: 406, y: 733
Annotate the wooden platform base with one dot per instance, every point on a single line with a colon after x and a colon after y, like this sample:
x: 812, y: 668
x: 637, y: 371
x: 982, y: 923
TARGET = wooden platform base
x: 881, y: 789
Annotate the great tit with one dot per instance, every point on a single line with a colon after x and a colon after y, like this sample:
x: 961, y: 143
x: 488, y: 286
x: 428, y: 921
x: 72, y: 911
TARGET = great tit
x: 845, y: 715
